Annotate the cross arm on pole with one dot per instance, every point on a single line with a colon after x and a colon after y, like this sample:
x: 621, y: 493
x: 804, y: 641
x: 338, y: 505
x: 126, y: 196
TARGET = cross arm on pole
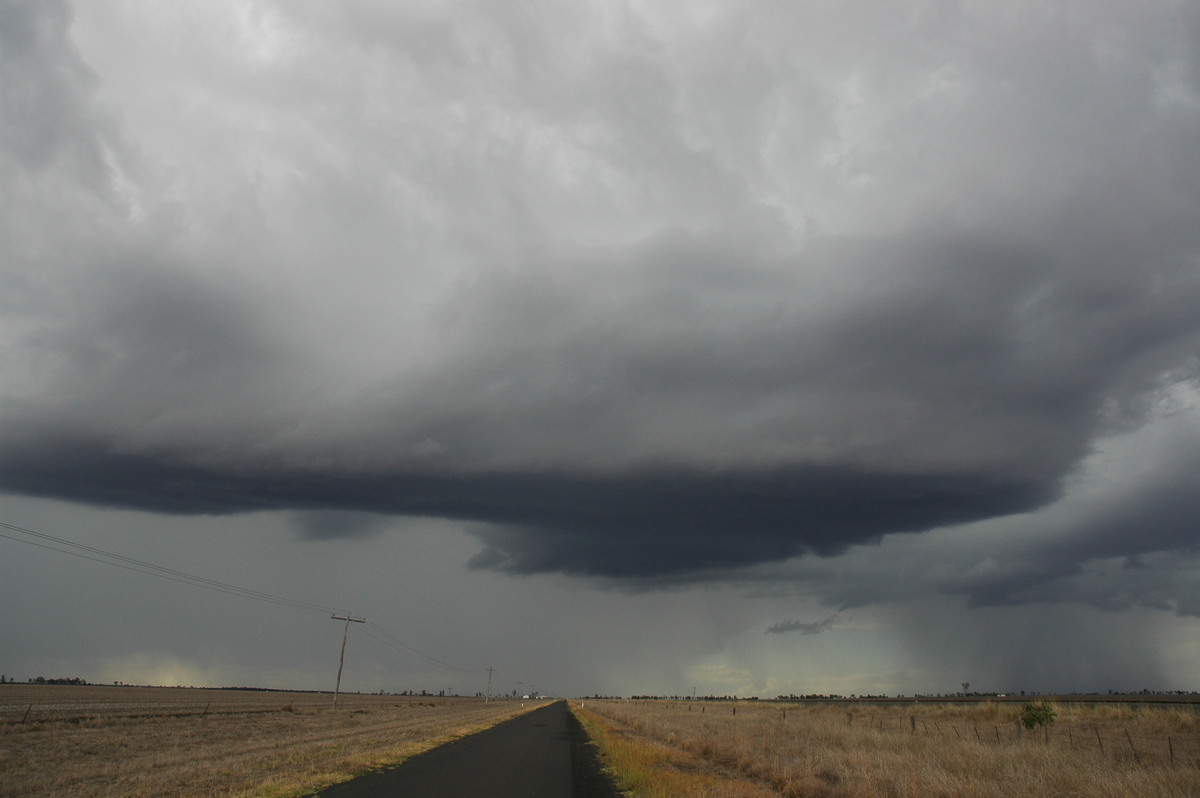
x: 342, y: 658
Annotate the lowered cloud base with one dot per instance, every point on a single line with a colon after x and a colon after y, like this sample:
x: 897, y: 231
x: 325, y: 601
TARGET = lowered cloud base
x: 642, y: 294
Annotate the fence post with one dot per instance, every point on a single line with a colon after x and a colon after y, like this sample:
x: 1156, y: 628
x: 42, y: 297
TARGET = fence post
x: 1100, y: 742
x: 1131, y: 748
x: 912, y: 721
x: 1171, y: 749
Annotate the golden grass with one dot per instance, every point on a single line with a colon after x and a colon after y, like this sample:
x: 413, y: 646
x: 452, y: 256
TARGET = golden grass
x: 649, y: 769
x: 873, y: 751
x: 102, y: 742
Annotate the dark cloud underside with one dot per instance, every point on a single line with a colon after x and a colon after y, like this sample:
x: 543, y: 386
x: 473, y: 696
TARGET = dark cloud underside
x: 637, y: 292
x: 633, y: 524
x: 803, y: 627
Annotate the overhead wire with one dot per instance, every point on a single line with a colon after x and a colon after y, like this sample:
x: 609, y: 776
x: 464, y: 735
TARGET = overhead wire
x: 95, y: 554
x: 386, y: 637
x: 150, y: 569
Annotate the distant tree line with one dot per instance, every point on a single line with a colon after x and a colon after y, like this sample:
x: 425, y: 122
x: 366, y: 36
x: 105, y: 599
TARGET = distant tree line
x: 688, y: 698
x: 44, y: 680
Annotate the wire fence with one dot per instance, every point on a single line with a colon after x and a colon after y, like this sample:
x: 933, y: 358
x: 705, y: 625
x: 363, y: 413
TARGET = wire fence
x: 1110, y: 740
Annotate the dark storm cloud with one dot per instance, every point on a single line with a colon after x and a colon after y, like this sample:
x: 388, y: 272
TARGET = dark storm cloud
x: 627, y: 310
x: 633, y: 524
x: 803, y: 627
x: 330, y: 524
x: 1124, y: 537
x: 1105, y: 558
x: 656, y: 434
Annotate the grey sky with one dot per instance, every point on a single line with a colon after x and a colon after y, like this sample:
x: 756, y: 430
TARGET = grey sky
x: 870, y: 306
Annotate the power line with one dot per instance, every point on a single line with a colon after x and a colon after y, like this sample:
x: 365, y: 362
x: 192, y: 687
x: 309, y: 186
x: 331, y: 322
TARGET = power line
x: 387, y: 638
x: 95, y: 554
x: 150, y: 569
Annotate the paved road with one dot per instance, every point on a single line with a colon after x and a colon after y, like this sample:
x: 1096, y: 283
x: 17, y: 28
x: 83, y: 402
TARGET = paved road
x: 541, y: 754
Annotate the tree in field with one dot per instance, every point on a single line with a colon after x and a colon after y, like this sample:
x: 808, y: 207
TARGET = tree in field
x: 1034, y: 715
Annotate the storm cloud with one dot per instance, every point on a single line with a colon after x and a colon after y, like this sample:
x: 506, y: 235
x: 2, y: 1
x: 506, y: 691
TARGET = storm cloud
x: 803, y: 627
x: 632, y: 293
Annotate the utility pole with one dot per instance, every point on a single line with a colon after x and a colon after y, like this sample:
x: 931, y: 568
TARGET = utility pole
x: 489, y: 694
x: 342, y: 658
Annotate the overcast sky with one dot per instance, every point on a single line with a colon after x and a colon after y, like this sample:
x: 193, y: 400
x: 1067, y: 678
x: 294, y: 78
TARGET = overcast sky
x: 751, y: 347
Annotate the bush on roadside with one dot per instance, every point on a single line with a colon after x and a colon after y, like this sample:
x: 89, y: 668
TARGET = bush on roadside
x: 1034, y: 715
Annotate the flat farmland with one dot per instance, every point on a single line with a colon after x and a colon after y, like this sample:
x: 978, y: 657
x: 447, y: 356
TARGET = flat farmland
x: 753, y: 749
x: 143, y: 741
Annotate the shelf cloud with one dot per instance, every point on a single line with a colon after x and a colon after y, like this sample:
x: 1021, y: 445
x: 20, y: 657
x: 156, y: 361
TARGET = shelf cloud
x: 631, y: 293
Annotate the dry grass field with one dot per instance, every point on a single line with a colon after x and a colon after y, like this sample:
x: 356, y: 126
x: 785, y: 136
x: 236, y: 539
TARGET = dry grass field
x: 662, y: 749
x: 129, y: 741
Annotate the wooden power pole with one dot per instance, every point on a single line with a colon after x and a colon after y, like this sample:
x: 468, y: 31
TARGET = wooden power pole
x: 342, y: 658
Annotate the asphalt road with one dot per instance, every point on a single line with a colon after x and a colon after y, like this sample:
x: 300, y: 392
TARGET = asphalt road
x: 543, y: 753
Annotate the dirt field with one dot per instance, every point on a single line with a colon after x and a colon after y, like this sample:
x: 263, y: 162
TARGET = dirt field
x: 128, y: 741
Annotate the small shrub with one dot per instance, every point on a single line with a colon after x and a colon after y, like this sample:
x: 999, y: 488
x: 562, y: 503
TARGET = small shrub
x: 1034, y: 715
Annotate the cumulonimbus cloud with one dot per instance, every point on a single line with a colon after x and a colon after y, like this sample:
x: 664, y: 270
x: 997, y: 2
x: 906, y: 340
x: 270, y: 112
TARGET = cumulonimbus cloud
x: 626, y: 311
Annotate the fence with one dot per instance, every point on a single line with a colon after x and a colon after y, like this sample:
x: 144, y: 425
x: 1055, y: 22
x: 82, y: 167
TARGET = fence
x: 1115, y: 742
